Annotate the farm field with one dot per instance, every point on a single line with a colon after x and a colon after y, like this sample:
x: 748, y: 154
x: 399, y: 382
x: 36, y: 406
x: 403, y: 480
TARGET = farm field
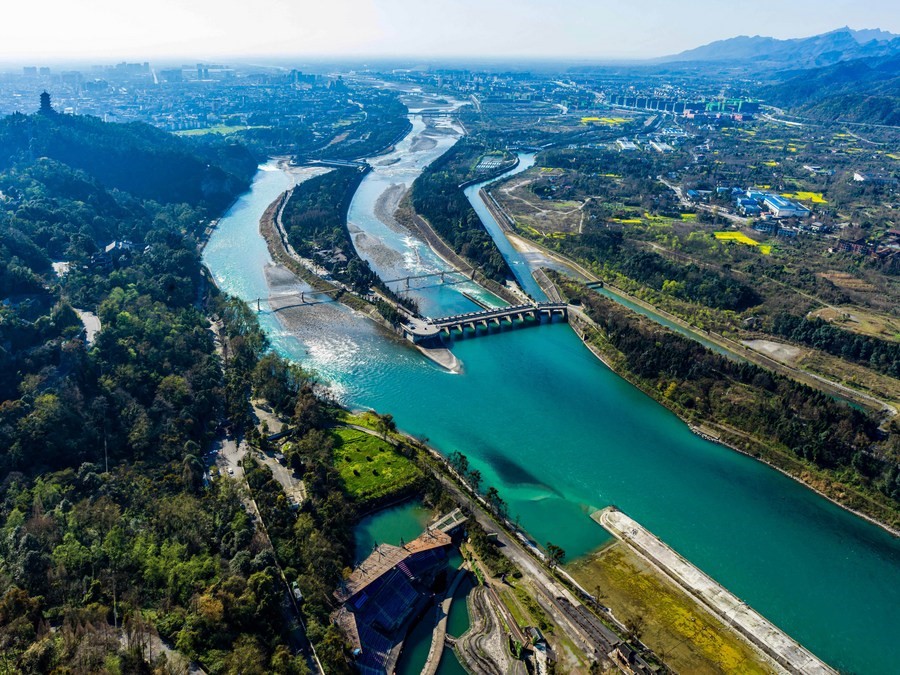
x: 611, y: 121
x: 860, y: 321
x: 741, y: 238
x: 806, y: 196
x: 370, y: 467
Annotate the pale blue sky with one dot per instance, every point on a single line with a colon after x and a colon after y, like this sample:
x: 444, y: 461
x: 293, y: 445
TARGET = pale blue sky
x: 46, y: 30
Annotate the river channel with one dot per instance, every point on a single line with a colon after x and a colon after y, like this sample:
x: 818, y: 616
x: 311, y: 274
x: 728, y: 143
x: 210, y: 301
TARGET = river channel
x: 560, y: 435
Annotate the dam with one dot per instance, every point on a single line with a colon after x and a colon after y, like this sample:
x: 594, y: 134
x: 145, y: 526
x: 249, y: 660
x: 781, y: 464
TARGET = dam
x: 420, y: 330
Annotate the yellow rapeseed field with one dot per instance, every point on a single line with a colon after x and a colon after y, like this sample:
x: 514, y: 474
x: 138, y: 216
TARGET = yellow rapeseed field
x: 604, y: 120
x: 814, y: 197
x: 741, y: 238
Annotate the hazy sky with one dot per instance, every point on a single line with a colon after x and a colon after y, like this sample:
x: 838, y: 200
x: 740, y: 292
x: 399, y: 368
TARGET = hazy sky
x: 41, y: 31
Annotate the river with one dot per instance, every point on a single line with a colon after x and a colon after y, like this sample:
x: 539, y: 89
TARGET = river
x: 559, y: 434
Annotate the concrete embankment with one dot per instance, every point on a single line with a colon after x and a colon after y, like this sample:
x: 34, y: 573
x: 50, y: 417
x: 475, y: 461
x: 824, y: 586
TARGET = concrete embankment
x: 442, y: 357
x: 785, y: 652
x: 440, y: 630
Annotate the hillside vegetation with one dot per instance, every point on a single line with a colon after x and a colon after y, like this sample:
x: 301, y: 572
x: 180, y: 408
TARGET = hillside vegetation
x: 109, y: 538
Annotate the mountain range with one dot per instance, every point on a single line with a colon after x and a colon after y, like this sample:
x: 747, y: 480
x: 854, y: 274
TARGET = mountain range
x: 844, y: 44
x: 844, y: 75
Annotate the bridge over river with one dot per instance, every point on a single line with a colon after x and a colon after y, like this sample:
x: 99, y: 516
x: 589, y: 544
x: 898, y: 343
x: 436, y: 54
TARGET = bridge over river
x: 425, y: 329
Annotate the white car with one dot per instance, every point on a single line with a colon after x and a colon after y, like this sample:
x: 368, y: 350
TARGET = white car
x: 230, y: 471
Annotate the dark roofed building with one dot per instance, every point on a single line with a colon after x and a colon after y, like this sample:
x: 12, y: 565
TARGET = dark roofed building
x: 386, y: 590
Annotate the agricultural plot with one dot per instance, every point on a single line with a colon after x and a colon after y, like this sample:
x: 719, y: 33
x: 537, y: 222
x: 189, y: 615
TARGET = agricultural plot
x: 741, y: 238
x: 806, y: 196
x: 371, y: 468
x: 607, y: 121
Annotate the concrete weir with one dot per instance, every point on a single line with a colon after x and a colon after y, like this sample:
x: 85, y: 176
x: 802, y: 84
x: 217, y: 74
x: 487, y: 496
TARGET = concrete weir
x: 785, y: 652
x: 426, y: 329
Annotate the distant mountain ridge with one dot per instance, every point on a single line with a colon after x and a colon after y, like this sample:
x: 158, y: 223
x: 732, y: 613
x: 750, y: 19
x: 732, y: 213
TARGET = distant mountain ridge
x: 827, y: 49
x: 862, y: 90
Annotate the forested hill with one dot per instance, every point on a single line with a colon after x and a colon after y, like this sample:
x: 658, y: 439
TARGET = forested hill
x: 108, y: 534
x: 863, y: 91
x: 70, y: 186
x: 136, y: 158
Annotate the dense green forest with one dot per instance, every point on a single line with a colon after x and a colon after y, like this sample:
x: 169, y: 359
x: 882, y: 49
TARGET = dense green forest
x: 138, y: 159
x: 707, y: 387
x: 437, y: 196
x: 315, y: 219
x: 152, y: 373
x: 876, y: 354
x: 110, y: 535
x: 860, y: 91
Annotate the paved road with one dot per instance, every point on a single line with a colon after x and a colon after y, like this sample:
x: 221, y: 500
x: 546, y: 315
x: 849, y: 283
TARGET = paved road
x: 580, y: 624
x: 226, y: 453
x: 91, y: 324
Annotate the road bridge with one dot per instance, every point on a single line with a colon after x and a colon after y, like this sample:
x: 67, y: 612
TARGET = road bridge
x: 423, y: 330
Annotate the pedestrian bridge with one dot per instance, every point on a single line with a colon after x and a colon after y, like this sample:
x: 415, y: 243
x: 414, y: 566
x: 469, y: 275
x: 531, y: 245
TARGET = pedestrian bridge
x: 425, y: 329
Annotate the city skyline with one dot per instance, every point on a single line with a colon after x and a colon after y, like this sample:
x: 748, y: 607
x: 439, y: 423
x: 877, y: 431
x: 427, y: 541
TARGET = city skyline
x: 56, y: 31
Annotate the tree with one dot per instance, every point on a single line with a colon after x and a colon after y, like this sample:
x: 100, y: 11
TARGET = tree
x: 555, y: 555
x: 385, y: 424
x: 475, y: 480
x: 496, y: 501
x: 459, y: 462
x: 247, y: 658
x: 308, y: 412
x: 635, y: 625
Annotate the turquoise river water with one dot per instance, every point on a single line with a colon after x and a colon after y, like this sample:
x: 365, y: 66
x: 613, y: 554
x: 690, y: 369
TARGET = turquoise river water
x: 560, y: 435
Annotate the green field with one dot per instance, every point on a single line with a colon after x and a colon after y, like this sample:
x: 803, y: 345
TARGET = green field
x: 371, y: 469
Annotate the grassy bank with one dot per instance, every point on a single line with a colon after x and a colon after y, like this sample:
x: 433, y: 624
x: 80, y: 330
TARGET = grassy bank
x: 372, y: 470
x: 687, y: 638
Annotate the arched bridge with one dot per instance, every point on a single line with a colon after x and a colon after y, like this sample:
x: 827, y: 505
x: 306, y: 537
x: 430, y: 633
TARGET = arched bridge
x: 421, y: 330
